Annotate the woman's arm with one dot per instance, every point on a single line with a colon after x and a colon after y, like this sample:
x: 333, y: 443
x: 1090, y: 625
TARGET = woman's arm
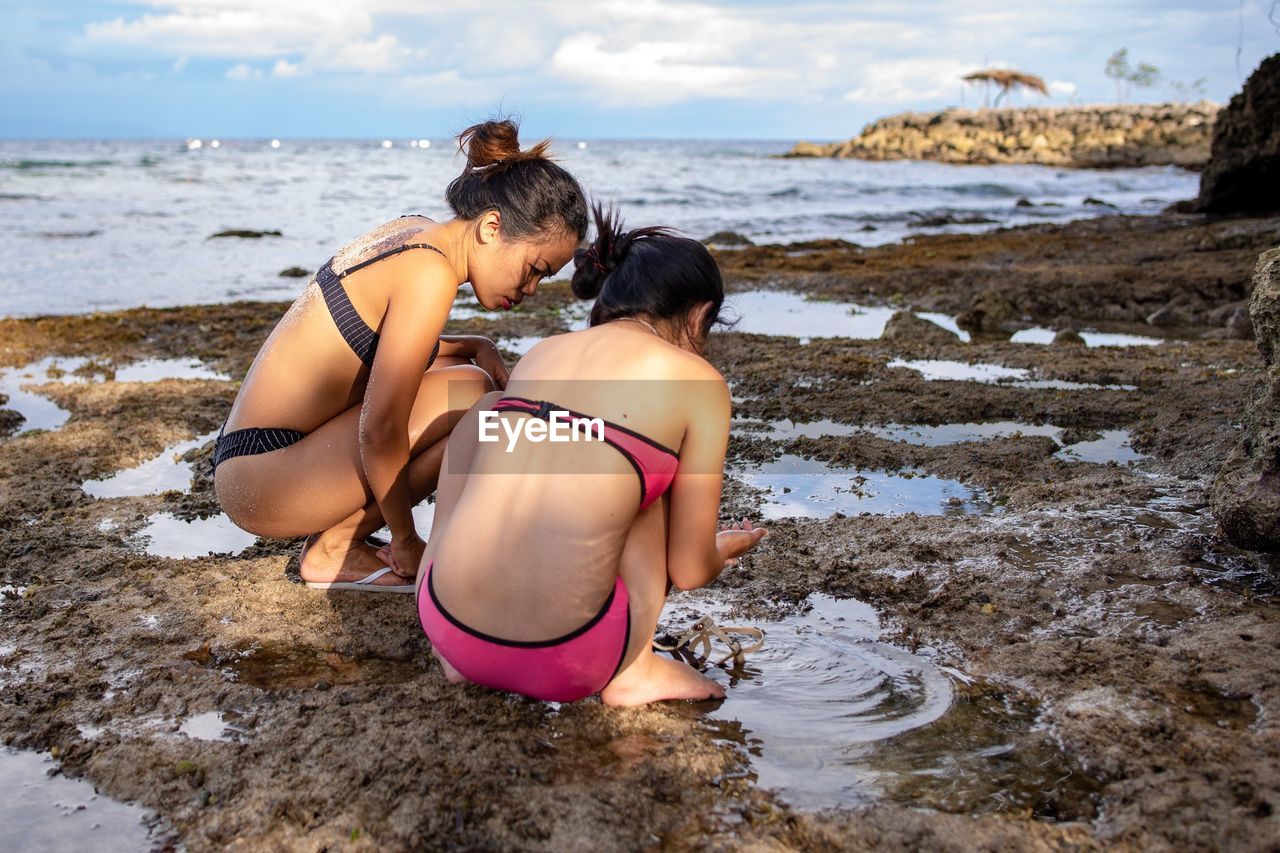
x: 480, y: 350
x: 696, y: 553
x: 421, y: 293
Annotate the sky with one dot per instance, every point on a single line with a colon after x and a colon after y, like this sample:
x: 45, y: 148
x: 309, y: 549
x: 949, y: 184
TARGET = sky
x: 750, y: 69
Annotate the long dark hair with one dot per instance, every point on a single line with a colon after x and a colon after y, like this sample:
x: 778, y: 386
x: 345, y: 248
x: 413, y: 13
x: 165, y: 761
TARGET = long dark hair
x: 533, y: 194
x: 651, y: 271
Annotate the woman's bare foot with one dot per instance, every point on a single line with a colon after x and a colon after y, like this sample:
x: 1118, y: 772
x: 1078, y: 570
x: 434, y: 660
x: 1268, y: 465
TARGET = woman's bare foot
x: 450, y: 673
x: 653, y: 679
x: 342, y: 561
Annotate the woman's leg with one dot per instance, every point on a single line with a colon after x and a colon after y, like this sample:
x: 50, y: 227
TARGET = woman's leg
x: 318, y: 484
x: 646, y: 676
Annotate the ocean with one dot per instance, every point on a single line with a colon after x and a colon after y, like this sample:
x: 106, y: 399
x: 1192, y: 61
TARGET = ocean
x: 94, y: 225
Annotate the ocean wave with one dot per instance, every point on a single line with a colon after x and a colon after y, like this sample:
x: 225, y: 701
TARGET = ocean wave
x: 26, y: 164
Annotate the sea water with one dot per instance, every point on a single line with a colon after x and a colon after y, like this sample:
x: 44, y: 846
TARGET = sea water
x: 123, y: 223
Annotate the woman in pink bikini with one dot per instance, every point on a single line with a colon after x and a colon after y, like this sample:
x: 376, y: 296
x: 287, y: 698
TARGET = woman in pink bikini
x: 557, y: 595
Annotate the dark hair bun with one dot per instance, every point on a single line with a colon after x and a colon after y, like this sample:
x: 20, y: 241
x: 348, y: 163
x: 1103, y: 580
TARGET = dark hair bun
x: 495, y: 145
x: 533, y: 194
x: 592, y: 265
x: 649, y: 271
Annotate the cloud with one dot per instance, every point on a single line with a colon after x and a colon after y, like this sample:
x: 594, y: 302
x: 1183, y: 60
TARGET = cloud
x: 910, y: 80
x: 1062, y: 87
x: 284, y: 68
x: 243, y: 72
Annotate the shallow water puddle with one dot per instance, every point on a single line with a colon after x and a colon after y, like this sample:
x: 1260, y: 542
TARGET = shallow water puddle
x: 795, y: 487
x: 822, y: 686
x: 42, y: 813
x: 829, y: 716
x: 520, y: 346
x: 938, y: 370
x: 213, y: 725
x: 168, y: 536
x: 775, y: 312
x: 1113, y: 445
x: 301, y: 668
x: 1091, y: 339
x: 42, y: 413
x: 166, y: 472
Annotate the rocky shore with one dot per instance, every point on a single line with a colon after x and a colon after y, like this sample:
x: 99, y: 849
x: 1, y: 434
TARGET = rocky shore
x: 1080, y: 137
x: 1115, y: 659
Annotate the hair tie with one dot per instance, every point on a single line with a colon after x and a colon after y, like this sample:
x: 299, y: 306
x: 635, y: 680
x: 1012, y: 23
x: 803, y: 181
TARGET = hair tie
x: 595, y: 259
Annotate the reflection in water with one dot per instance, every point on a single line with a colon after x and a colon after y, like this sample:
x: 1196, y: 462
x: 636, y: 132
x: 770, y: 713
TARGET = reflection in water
x: 828, y: 716
x: 795, y: 487
x: 164, y: 473
x: 938, y: 370
x: 168, y: 536
x: 1091, y: 339
x: 776, y: 312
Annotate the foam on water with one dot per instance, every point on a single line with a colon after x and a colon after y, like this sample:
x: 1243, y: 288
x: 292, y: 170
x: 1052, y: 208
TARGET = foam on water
x: 795, y: 487
x: 168, y: 536
x: 53, y: 814
x: 164, y: 473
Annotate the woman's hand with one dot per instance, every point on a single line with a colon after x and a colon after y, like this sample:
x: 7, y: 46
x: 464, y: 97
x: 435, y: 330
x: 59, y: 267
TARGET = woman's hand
x: 404, y: 556
x: 736, y: 539
x: 490, y: 361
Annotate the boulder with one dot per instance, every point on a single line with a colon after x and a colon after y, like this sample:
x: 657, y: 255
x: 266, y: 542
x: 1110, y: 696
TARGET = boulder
x: 1068, y: 337
x: 1165, y: 317
x: 906, y: 327
x: 1243, y: 174
x: 727, y: 238
x: 990, y: 312
x: 294, y: 272
x: 1245, y: 498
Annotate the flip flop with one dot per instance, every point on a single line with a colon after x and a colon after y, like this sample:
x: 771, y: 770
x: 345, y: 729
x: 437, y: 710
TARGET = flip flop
x: 365, y: 584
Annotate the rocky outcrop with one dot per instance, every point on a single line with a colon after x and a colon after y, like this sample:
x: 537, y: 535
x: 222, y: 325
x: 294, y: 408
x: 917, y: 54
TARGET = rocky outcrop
x: 1243, y: 175
x: 1104, y: 136
x: 1246, y: 494
x: 906, y: 327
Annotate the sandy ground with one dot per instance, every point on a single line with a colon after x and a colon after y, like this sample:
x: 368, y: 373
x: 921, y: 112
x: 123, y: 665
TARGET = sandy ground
x: 1131, y: 657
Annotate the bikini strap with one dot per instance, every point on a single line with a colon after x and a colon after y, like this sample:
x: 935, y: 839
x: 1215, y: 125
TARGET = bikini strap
x: 406, y: 247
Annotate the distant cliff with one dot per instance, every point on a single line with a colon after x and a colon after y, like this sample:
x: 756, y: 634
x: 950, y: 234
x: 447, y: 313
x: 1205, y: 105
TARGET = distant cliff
x: 1086, y: 137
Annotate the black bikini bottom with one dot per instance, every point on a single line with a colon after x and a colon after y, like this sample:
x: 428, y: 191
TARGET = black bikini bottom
x: 252, y: 441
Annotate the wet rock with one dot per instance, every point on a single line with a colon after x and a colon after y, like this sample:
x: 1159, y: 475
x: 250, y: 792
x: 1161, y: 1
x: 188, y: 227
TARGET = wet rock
x: 1245, y: 498
x: 1090, y: 201
x: 937, y: 220
x: 1240, y: 324
x: 9, y: 419
x: 1164, y: 317
x: 727, y: 238
x: 808, y: 149
x: 907, y: 327
x: 990, y: 312
x: 1024, y: 202
x: 1068, y: 337
x: 868, y: 227
x: 1088, y: 137
x: 1243, y: 174
x: 245, y: 234
x: 294, y: 272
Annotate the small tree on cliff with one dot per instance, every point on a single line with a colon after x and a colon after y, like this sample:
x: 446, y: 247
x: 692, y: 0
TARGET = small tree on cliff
x: 1144, y: 76
x: 1007, y: 79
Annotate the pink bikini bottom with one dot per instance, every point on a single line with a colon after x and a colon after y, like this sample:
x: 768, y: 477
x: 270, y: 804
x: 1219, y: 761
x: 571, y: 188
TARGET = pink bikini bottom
x: 565, y: 669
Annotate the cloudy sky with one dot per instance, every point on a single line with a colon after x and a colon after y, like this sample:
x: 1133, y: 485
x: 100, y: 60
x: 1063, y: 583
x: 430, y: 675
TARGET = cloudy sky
x: 581, y: 68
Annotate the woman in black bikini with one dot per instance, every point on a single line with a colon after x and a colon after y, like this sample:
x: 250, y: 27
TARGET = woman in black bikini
x: 341, y: 422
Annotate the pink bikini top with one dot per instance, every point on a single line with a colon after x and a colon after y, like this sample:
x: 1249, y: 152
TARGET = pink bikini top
x: 655, y: 465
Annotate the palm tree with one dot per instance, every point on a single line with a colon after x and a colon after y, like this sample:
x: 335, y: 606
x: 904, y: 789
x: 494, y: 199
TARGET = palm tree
x: 1006, y: 79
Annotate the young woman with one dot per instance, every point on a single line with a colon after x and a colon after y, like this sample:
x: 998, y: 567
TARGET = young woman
x: 556, y: 593
x: 341, y: 423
